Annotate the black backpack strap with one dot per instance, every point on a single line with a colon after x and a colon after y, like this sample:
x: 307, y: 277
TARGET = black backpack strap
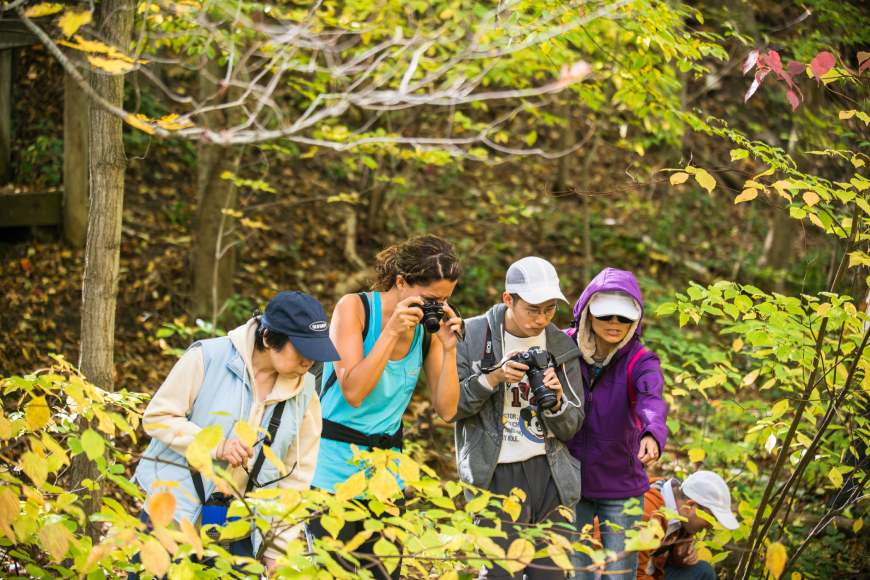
x: 197, y: 483
x: 274, y: 423
x: 345, y: 434
x: 427, y: 342
x: 367, y: 310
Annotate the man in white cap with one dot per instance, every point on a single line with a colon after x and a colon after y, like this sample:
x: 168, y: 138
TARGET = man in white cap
x: 701, y: 499
x: 514, y: 418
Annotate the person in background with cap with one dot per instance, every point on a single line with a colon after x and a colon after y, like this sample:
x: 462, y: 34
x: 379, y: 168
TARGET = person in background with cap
x: 676, y: 559
x: 258, y: 368
x: 625, y: 428
x: 502, y: 441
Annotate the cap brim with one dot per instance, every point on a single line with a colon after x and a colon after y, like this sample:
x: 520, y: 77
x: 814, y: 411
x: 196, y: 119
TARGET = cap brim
x: 319, y: 349
x: 541, y: 295
x: 726, y: 518
x: 608, y: 307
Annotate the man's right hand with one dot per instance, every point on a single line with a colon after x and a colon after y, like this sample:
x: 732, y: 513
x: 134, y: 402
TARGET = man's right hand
x: 509, y: 372
x: 234, y: 452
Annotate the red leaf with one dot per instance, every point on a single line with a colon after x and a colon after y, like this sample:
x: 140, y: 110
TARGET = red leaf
x: 759, y: 76
x: 796, y: 68
x: 751, y: 59
x: 863, y: 61
x: 793, y: 99
x: 774, y: 62
x: 26, y: 265
x: 822, y: 63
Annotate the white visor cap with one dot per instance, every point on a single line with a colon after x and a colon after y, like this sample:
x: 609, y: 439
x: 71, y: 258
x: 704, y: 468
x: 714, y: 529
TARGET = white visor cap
x: 534, y: 279
x: 614, y: 303
x: 711, y: 492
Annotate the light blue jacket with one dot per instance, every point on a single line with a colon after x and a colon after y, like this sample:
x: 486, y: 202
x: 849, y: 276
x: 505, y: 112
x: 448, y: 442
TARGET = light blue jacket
x: 225, y: 396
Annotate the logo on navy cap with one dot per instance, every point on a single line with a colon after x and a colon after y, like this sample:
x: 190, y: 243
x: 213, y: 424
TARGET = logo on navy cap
x: 319, y: 326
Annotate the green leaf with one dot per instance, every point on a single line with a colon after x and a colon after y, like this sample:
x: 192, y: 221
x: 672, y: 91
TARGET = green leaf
x: 93, y: 444
x: 738, y: 154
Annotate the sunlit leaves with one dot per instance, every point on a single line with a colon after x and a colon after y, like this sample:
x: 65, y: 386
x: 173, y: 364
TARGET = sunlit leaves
x: 9, y: 511
x: 55, y: 538
x: 154, y: 557
x: 161, y: 509
x: 696, y: 455
x: 679, y: 177
x: 199, y: 452
x: 702, y: 177
x: 775, y: 559
x: 36, y: 413
x: 93, y: 444
x: 43, y: 9
x: 72, y: 20
x: 747, y: 194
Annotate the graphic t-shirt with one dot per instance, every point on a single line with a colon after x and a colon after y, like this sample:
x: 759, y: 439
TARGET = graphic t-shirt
x: 523, y: 435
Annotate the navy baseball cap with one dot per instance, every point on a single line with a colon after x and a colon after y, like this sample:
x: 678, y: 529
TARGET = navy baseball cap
x: 302, y: 318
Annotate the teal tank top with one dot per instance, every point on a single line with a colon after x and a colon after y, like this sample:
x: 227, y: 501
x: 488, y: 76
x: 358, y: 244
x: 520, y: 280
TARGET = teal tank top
x: 380, y: 412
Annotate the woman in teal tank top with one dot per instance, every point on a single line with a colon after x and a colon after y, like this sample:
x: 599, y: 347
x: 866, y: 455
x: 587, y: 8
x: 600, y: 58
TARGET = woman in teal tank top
x: 379, y: 366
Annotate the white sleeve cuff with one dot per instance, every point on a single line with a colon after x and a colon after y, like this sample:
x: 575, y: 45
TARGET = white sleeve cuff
x: 482, y: 380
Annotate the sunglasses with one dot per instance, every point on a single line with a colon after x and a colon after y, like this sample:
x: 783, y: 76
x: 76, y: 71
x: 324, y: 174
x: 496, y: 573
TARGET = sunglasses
x: 611, y: 317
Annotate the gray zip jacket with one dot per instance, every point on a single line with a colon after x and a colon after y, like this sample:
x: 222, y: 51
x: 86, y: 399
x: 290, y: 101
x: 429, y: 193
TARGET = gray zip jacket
x: 478, y: 418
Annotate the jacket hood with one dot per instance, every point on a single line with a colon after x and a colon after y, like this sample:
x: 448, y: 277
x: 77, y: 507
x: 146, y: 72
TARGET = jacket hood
x: 608, y: 280
x: 243, y: 339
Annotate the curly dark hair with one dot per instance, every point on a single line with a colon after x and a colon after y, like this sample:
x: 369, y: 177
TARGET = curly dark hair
x: 420, y: 260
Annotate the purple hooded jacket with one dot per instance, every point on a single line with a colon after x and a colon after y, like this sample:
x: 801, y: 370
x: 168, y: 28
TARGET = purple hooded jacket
x: 608, y: 443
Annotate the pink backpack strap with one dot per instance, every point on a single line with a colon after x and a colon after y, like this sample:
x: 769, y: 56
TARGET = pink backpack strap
x: 632, y: 392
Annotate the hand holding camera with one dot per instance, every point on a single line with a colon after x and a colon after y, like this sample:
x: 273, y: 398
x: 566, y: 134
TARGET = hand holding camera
x: 537, y: 364
x: 406, y: 315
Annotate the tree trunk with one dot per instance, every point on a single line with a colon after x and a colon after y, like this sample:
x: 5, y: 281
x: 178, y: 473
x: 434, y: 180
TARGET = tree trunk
x: 75, y: 163
x: 114, y: 20
x: 6, y: 115
x: 213, y: 252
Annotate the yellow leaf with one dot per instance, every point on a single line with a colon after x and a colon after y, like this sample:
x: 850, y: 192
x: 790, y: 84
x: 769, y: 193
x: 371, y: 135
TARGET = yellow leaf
x: 55, y: 538
x: 836, y: 477
x: 384, y: 548
x: 519, y: 554
x: 559, y: 557
x: 72, y: 20
x: 858, y: 162
x: 811, y: 198
x: 679, y: 177
x: 161, y: 509
x: 45, y: 9
x: 747, y: 194
x: 696, y: 455
x: 198, y: 453
x: 191, y: 535
x: 383, y: 485
x: 409, y: 470
x: 245, y: 433
x: 843, y: 115
x: 5, y: 428
x: 353, y: 487
x: 35, y: 467
x: 173, y: 122
x: 704, y: 553
x: 36, y: 413
x: 775, y: 560
x: 117, y: 66
x: 737, y: 345
x: 274, y: 460
x: 857, y: 525
x: 816, y: 221
x: 796, y: 576
x: 751, y: 377
x: 332, y: 525
x: 782, y: 186
x: 705, y: 180
x: 10, y: 509
x: 154, y: 557
x: 512, y: 508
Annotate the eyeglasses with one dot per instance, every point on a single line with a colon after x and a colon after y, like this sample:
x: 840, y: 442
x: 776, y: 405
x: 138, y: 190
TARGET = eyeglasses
x: 609, y: 318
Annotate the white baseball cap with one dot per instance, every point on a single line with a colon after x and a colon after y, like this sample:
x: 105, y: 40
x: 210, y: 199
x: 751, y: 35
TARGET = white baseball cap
x: 711, y: 492
x: 614, y: 303
x: 534, y: 279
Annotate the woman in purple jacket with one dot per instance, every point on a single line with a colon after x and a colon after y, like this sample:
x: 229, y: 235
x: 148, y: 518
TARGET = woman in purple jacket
x: 625, y: 428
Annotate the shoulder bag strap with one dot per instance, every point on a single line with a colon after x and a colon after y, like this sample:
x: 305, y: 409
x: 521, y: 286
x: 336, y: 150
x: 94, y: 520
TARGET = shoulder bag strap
x: 274, y: 423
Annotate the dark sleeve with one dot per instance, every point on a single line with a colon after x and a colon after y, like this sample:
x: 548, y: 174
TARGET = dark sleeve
x: 651, y: 408
x: 565, y: 423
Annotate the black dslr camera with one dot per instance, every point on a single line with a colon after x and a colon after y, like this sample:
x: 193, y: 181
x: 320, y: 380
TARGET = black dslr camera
x: 538, y: 360
x: 433, y: 314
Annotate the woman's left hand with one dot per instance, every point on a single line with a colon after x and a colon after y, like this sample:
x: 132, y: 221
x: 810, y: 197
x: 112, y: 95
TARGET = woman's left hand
x: 649, y: 450
x: 450, y: 329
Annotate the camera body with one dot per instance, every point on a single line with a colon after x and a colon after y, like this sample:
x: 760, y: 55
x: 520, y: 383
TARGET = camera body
x: 433, y: 314
x: 538, y: 360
